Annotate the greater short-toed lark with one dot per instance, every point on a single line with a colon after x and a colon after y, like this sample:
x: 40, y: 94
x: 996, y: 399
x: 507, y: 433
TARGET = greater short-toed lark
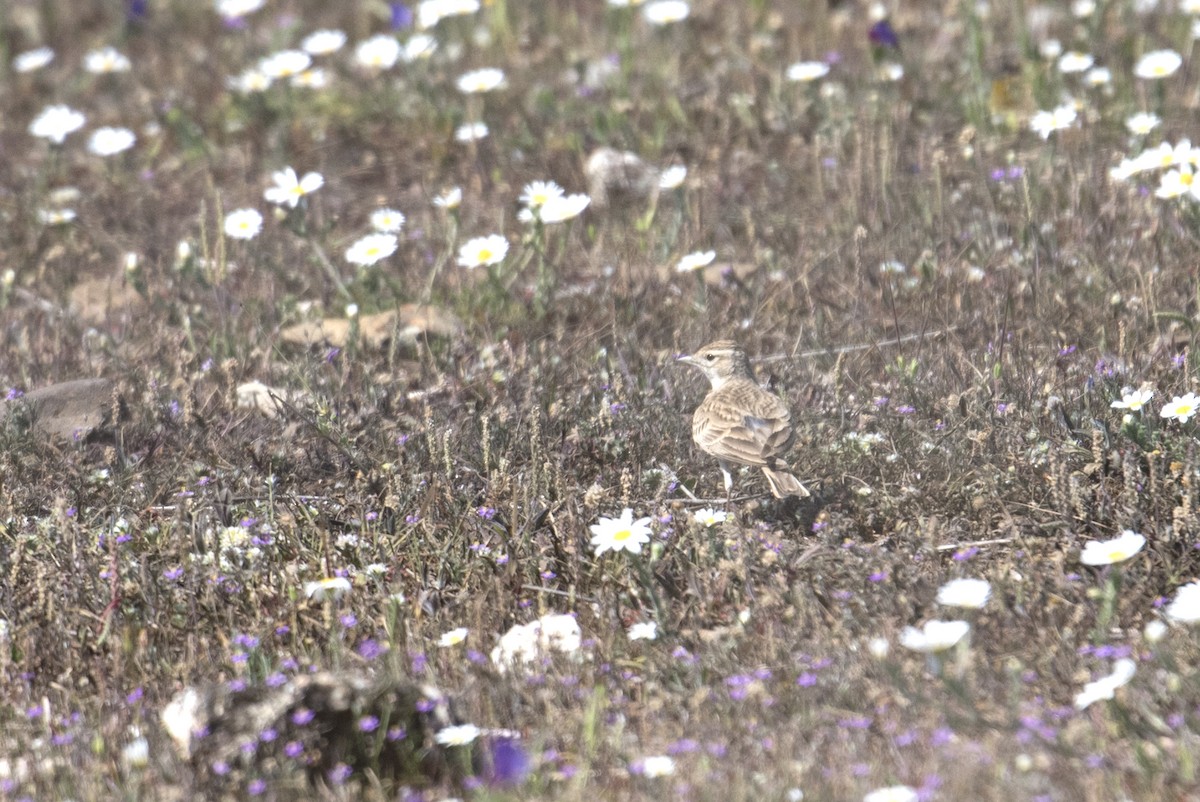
x: 739, y: 422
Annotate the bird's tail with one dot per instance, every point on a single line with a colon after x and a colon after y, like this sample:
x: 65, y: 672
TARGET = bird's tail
x: 783, y: 483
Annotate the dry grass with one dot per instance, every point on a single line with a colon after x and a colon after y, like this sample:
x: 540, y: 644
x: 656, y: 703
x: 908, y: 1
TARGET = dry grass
x: 956, y: 416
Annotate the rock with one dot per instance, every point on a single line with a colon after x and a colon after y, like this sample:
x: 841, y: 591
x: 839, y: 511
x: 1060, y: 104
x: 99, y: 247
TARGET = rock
x: 417, y: 320
x: 68, y: 411
x: 99, y: 300
x: 267, y: 400
x: 318, y: 722
x: 619, y: 175
x: 327, y: 331
x: 718, y: 274
x: 410, y: 323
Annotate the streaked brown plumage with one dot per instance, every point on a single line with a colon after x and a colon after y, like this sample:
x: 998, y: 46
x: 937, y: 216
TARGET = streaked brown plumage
x: 739, y: 422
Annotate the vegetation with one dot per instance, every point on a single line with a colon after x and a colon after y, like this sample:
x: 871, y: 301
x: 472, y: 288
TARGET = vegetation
x: 338, y: 435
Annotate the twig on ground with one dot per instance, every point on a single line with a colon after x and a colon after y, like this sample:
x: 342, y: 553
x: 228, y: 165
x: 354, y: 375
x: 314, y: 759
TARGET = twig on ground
x: 673, y: 477
x: 848, y: 349
x: 996, y: 542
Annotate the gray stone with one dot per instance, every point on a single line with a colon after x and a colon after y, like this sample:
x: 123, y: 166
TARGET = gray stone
x: 68, y: 411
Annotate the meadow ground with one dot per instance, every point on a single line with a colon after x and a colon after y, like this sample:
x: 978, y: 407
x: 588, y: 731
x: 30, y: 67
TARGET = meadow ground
x: 953, y: 240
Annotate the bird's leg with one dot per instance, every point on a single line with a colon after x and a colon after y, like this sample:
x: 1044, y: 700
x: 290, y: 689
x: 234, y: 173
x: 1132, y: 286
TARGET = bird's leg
x: 728, y: 483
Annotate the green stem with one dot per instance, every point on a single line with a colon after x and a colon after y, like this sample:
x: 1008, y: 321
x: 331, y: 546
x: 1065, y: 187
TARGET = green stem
x: 330, y: 270
x: 647, y: 580
x: 1108, y: 605
x: 451, y: 238
x: 701, y: 291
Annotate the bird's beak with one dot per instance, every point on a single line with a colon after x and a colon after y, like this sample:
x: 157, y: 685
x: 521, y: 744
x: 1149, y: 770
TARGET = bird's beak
x: 686, y: 359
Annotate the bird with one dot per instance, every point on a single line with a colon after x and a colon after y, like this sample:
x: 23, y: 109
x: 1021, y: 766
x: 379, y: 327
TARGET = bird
x: 739, y: 422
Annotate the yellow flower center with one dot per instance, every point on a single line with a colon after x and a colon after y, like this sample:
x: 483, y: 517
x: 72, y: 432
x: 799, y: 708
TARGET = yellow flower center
x: 622, y: 535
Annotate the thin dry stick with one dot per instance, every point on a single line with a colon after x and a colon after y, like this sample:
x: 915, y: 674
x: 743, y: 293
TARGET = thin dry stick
x: 329, y: 269
x: 846, y: 349
x: 692, y: 498
x: 674, y: 477
x: 556, y: 592
x: 712, y: 502
x: 997, y: 542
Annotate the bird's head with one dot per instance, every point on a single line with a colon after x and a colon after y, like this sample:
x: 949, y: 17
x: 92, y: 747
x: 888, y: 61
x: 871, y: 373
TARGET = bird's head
x: 720, y: 361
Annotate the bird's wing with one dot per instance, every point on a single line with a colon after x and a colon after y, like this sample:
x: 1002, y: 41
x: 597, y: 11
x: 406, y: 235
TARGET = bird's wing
x: 750, y: 427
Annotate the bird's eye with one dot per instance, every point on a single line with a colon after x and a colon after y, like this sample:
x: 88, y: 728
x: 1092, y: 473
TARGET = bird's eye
x: 710, y: 356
